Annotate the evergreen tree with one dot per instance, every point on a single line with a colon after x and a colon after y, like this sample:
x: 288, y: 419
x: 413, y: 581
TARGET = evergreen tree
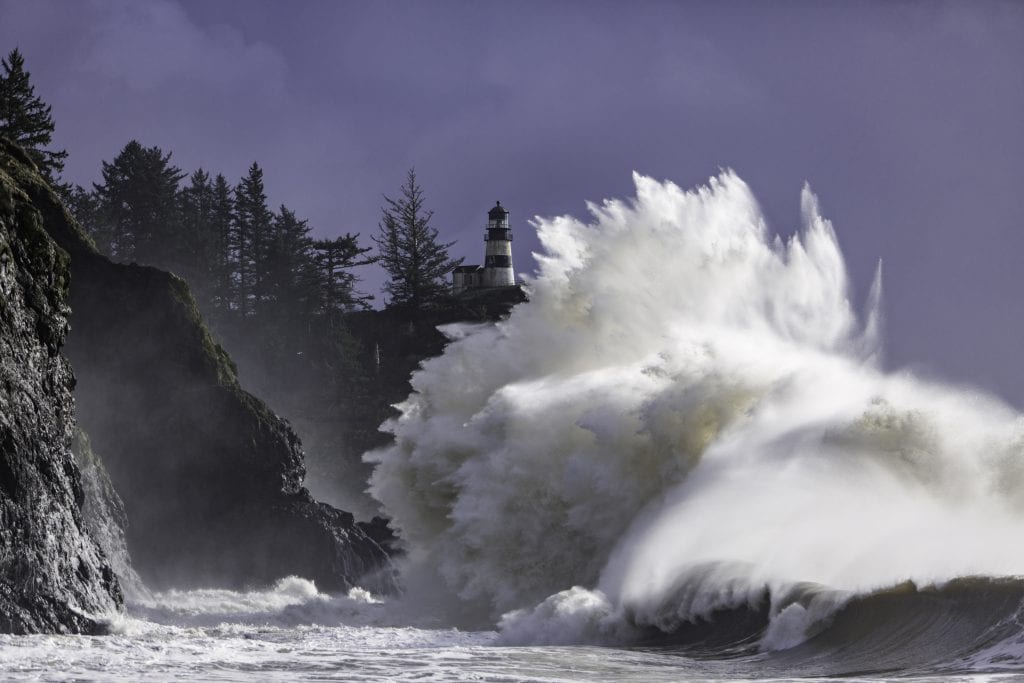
x: 250, y: 240
x: 197, y: 235
x: 335, y: 259
x: 289, y: 269
x: 85, y: 208
x: 25, y: 118
x: 409, y: 249
x: 221, y: 269
x: 138, y: 200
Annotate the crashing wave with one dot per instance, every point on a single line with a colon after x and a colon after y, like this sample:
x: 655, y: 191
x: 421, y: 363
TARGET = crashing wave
x: 688, y: 418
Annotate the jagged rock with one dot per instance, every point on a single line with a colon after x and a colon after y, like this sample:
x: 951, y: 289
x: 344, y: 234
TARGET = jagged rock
x: 210, y: 478
x: 53, y: 577
x: 104, y: 515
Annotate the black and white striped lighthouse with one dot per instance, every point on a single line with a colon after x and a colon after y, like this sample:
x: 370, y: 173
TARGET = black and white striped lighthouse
x: 498, y: 253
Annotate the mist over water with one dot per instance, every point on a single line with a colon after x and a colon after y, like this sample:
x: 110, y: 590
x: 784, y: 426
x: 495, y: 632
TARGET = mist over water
x: 688, y: 416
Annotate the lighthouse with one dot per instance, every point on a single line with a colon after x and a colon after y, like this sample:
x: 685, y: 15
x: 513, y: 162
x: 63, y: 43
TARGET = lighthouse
x: 497, y: 269
x: 498, y: 252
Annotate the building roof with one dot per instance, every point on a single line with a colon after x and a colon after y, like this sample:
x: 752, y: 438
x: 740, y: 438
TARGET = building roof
x: 466, y: 269
x: 498, y: 212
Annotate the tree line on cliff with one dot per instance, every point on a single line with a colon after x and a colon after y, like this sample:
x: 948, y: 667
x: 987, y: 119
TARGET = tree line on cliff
x: 278, y: 298
x: 240, y: 257
x: 244, y: 261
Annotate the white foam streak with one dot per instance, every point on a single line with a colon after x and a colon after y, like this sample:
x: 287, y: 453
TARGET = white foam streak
x: 685, y: 395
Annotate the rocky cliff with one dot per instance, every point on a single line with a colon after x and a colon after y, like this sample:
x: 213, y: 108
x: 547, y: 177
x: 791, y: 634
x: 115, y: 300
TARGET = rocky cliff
x: 390, y: 344
x: 210, y: 478
x: 53, y: 577
x: 104, y: 516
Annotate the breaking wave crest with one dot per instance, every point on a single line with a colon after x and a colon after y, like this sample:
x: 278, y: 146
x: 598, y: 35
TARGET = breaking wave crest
x: 688, y: 420
x: 291, y: 601
x: 965, y: 625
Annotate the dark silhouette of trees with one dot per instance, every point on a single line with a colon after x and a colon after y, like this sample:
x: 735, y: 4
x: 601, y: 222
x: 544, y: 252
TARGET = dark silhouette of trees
x: 242, y: 260
x: 85, y: 207
x: 139, y: 216
x: 335, y: 259
x: 199, y: 238
x: 409, y: 250
x: 221, y: 268
x: 25, y: 119
x: 290, y: 281
x: 250, y: 240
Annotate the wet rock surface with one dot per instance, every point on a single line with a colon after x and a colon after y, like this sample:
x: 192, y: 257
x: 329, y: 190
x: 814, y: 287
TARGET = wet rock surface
x: 53, y: 576
x: 104, y: 515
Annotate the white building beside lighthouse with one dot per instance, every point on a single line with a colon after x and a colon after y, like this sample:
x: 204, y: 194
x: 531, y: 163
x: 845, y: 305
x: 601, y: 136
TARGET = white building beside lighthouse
x: 497, y: 269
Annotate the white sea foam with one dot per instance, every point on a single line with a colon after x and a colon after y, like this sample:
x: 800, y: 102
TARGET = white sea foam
x: 686, y: 412
x: 570, y: 617
x: 288, y: 632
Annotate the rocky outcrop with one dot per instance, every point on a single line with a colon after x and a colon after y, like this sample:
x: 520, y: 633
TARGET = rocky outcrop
x: 210, y: 478
x: 104, y: 516
x: 53, y: 577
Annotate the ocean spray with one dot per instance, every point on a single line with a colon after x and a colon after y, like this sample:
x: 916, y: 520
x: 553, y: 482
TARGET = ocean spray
x: 686, y: 414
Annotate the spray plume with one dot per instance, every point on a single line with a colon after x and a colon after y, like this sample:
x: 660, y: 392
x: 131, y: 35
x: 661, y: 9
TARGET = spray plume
x: 685, y: 416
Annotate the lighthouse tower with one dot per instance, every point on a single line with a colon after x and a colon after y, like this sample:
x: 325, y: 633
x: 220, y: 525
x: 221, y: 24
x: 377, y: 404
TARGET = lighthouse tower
x: 498, y: 253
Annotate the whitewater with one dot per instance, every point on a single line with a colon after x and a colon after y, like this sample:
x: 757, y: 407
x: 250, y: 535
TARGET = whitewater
x: 681, y: 459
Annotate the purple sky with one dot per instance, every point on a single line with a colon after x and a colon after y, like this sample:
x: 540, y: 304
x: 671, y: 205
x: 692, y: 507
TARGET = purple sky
x: 906, y: 117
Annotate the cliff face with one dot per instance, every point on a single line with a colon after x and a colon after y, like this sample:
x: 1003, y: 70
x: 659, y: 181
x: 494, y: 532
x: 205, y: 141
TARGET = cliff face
x: 104, y: 516
x: 393, y: 343
x: 211, y: 479
x: 53, y: 577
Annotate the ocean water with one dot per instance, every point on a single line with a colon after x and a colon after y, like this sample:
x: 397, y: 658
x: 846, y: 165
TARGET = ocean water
x: 682, y: 459
x: 293, y: 633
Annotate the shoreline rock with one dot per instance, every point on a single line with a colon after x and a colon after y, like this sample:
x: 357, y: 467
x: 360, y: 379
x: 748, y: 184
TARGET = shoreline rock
x: 53, y: 576
x: 210, y: 478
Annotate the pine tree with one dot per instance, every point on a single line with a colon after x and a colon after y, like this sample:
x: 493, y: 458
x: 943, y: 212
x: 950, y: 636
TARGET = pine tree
x: 25, y: 119
x: 409, y: 249
x: 336, y: 292
x: 221, y: 269
x: 289, y: 267
x: 198, y: 236
x: 250, y: 241
x: 85, y: 207
x: 138, y: 200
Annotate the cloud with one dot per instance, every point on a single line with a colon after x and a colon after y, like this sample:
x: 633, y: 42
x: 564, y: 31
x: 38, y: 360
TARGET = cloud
x: 148, y: 44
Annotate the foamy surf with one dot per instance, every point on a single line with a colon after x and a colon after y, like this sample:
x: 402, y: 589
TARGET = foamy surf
x: 970, y: 628
x: 687, y: 419
x: 289, y: 631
